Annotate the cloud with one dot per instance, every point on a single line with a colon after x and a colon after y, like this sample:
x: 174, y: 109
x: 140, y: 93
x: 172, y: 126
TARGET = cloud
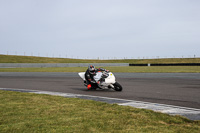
x: 128, y: 28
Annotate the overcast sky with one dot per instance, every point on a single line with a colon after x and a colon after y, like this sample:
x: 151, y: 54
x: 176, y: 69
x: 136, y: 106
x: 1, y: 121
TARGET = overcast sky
x: 100, y: 28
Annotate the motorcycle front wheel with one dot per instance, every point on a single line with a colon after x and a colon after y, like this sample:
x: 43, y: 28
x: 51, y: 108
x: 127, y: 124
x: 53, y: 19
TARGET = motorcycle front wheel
x: 117, y: 86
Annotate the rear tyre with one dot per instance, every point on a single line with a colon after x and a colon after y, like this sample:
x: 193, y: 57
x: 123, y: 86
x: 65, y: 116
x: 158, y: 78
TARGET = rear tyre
x: 117, y: 86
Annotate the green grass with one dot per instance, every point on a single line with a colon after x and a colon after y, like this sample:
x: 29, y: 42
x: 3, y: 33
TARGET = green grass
x: 32, y: 59
x: 26, y: 112
x: 131, y: 69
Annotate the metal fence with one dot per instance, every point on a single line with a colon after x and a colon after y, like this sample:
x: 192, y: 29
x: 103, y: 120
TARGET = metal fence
x: 97, y: 58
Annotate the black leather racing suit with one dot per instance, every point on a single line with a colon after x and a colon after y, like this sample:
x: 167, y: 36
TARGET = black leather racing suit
x: 90, y: 77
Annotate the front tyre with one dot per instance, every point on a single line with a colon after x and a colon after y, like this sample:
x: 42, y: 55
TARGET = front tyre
x: 117, y: 86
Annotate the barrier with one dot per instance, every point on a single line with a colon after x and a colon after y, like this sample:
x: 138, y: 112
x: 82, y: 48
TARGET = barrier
x: 138, y: 64
x: 170, y: 64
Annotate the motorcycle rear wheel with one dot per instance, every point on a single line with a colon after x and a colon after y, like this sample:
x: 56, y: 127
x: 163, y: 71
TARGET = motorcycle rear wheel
x: 117, y: 86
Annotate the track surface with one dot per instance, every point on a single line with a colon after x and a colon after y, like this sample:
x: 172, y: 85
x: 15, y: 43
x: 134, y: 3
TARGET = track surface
x: 182, y: 89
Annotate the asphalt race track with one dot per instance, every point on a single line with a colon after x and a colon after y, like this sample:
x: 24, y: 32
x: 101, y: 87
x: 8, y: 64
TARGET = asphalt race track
x: 180, y: 89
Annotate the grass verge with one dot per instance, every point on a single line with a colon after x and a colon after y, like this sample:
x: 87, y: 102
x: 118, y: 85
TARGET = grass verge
x: 32, y: 59
x: 25, y: 112
x: 133, y: 69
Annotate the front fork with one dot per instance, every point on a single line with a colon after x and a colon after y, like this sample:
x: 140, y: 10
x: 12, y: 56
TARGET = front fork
x: 111, y: 86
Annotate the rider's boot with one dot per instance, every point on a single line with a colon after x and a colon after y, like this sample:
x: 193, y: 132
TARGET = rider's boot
x: 89, y: 86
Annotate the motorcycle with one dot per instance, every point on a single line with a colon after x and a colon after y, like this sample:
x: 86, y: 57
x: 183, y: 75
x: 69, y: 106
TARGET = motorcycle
x: 106, y: 78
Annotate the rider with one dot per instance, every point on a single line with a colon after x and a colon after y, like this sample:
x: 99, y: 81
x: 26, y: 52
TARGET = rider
x: 90, y: 73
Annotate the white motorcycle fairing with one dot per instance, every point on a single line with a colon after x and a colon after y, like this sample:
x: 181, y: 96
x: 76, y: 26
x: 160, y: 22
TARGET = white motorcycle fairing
x: 82, y: 75
x: 109, y: 80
